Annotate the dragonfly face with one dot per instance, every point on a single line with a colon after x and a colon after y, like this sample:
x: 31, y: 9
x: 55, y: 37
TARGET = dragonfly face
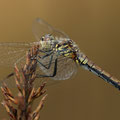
x: 47, y: 42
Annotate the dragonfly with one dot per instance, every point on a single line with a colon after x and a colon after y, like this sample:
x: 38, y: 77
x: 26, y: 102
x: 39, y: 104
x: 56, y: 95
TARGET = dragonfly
x: 59, y: 56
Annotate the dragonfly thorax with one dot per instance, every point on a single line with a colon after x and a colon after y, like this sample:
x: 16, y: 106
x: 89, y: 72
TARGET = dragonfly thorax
x: 68, y: 48
x: 62, y: 46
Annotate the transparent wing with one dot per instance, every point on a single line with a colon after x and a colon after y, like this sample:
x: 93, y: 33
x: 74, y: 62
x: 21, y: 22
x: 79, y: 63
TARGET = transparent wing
x: 41, y: 28
x: 9, y: 80
x: 11, y: 83
x: 11, y: 53
x: 66, y: 67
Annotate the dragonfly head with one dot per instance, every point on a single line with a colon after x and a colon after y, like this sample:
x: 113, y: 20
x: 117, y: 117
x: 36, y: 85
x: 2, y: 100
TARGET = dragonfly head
x: 47, y: 42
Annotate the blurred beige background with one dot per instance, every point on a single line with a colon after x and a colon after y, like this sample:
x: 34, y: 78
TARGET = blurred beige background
x: 95, y: 26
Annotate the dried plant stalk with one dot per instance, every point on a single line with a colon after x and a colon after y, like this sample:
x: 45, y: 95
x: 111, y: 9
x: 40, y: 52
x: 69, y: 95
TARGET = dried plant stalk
x: 27, y: 93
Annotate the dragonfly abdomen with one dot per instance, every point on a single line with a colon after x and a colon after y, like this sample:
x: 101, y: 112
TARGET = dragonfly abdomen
x: 91, y: 66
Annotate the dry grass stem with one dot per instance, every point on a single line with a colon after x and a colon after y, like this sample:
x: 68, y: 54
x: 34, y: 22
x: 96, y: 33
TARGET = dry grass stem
x: 20, y: 107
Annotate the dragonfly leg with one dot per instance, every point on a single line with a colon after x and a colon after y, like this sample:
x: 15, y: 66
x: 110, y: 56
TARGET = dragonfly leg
x: 46, y: 54
x: 42, y: 57
x: 49, y: 65
x: 54, y: 72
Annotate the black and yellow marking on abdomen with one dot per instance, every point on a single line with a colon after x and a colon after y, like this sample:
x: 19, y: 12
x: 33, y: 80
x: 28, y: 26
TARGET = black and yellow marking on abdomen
x: 91, y: 66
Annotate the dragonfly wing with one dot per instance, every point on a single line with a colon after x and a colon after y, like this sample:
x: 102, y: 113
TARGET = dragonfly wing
x: 66, y: 67
x: 64, y: 71
x: 41, y: 28
x: 11, y: 83
x: 11, y: 53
